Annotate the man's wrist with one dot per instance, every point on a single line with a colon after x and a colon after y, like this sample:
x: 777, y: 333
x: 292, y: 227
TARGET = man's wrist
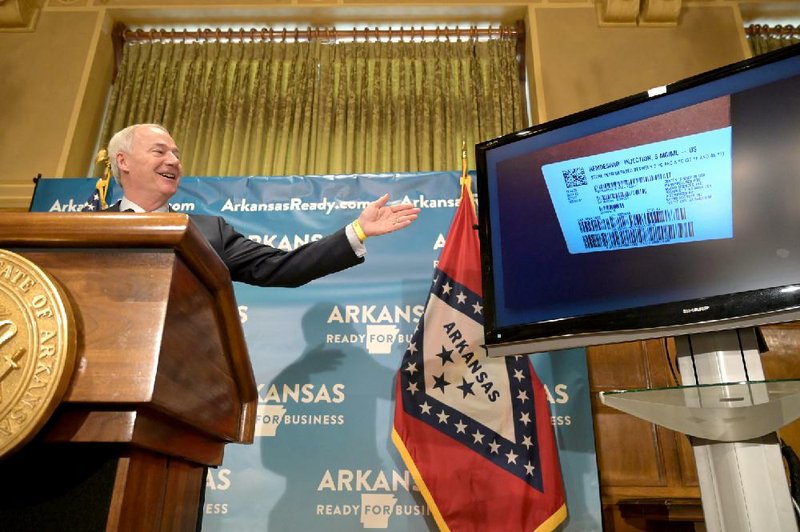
x: 362, y: 236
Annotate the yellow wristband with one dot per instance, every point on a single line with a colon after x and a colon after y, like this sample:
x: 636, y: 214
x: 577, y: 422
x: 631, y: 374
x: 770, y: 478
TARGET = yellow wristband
x: 359, y: 232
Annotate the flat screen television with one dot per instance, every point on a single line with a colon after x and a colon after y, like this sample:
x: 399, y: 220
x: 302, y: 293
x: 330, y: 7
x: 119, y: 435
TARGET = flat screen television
x: 674, y: 211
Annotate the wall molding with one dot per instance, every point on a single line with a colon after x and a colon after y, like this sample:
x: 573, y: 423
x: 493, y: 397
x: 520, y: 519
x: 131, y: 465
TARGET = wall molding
x: 638, y: 12
x: 19, y: 15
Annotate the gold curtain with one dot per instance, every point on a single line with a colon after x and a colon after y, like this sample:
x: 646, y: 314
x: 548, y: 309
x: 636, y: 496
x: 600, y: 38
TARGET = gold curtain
x: 764, y: 38
x: 282, y: 108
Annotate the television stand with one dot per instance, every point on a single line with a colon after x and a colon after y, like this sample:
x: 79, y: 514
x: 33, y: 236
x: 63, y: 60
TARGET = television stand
x: 731, y: 415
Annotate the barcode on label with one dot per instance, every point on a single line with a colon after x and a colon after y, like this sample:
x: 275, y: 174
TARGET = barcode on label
x: 574, y: 177
x: 627, y: 220
x: 645, y: 235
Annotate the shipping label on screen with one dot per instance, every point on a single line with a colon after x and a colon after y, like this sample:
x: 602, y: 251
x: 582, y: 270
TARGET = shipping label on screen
x: 666, y: 192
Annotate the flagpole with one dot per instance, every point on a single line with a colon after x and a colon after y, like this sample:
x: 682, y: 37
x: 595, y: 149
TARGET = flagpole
x: 466, y: 180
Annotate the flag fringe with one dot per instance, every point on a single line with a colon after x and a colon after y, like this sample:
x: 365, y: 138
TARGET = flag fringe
x: 423, y: 489
x: 554, y: 520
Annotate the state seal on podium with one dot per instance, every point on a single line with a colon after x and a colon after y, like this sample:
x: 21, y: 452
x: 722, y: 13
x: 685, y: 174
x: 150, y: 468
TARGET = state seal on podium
x: 37, y: 349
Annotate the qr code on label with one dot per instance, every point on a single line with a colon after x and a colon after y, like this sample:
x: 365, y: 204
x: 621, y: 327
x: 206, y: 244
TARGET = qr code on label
x: 574, y: 177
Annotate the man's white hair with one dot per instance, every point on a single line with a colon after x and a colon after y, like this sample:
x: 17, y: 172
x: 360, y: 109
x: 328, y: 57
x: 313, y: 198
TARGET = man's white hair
x: 122, y: 142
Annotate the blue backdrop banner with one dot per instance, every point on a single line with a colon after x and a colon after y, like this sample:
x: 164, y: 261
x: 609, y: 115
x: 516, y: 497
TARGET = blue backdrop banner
x: 325, y: 356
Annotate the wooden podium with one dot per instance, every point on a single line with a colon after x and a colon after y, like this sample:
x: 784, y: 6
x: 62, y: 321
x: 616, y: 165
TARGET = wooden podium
x: 162, y: 380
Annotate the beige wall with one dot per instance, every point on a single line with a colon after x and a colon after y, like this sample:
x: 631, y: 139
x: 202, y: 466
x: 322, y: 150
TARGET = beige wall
x: 55, y: 76
x: 581, y: 69
x: 42, y: 73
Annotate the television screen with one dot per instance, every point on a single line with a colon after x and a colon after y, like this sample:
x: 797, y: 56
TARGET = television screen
x: 672, y: 211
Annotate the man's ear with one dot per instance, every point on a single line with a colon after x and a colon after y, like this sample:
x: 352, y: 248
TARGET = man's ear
x: 122, y: 161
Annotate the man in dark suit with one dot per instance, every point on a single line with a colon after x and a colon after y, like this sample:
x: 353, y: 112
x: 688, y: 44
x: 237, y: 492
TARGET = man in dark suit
x: 146, y: 163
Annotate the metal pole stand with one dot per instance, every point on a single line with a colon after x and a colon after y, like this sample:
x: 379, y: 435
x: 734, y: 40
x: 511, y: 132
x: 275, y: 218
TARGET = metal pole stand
x: 743, y: 484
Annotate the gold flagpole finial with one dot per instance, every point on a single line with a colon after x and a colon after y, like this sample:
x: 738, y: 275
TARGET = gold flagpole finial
x: 102, y: 157
x: 466, y: 181
x: 105, y: 178
x: 464, y: 174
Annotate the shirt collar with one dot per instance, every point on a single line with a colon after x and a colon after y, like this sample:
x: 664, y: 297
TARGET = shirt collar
x: 126, y: 204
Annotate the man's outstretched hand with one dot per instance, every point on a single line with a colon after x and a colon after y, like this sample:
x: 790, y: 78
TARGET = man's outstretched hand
x: 379, y: 218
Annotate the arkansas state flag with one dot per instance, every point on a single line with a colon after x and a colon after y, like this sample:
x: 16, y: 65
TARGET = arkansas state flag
x: 474, y: 431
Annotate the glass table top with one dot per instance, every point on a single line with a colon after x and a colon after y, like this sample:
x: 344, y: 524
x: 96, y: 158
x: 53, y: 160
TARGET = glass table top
x: 734, y: 411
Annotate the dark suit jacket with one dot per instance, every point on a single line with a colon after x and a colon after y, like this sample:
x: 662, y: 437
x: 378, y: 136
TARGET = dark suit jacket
x: 258, y: 264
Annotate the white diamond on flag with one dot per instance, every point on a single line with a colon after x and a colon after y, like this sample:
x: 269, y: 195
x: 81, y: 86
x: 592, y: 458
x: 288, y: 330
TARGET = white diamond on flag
x: 456, y: 357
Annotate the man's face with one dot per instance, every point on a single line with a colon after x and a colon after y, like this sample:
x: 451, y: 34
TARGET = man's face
x: 151, y: 170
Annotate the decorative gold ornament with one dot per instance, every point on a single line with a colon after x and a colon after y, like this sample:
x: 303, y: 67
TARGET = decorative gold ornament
x: 37, y: 349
